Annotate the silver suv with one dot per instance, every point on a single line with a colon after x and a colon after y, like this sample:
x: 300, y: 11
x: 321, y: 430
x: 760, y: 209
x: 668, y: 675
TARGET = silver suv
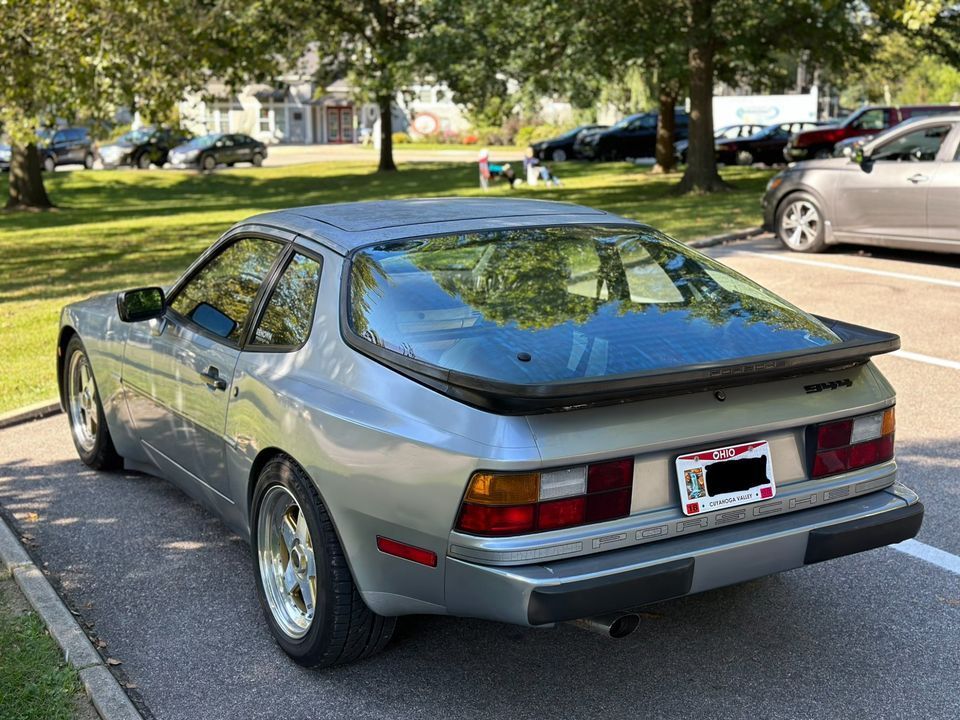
x: 901, y: 189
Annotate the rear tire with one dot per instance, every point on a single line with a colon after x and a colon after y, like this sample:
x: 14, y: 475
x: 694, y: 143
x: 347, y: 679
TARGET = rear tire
x: 88, y: 425
x: 800, y: 223
x: 293, y: 543
x: 143, y: 161
x: 744, y: 158
x: 559, y: 155
x: 49, y: 164
x: 88, y: 161
x: 257, y: 159
x: 208, y: 163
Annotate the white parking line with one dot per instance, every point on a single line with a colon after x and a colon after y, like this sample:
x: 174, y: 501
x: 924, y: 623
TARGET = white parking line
x: 929, y: 359
x: 849, y: 268
x: 940, y: 558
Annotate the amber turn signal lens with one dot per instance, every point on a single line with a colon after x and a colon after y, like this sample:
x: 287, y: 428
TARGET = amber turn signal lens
x: 889, y: 422
x: 490, y: 489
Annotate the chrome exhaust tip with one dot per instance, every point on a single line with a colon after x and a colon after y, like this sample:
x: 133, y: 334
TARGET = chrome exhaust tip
x: 613, y: 625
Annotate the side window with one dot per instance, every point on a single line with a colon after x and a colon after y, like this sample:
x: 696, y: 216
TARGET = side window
x: 921, y: 145
x: 219, y: 297
x: 870, y: 120
x: 288, y: 314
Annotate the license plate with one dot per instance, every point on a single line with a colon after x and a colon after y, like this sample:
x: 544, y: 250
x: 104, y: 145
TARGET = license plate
x: 725, y: 477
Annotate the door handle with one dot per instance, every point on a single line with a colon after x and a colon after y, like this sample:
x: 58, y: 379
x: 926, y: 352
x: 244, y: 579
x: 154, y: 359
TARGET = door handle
x: 213, y: 378
x: 918, y: 178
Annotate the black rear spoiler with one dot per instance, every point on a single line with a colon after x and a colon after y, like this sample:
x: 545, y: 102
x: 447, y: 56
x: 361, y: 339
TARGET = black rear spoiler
x: 858, y: 344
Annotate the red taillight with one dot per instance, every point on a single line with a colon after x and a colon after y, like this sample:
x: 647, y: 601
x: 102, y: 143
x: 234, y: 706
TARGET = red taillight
x: 519, y: 503
x: 407, y: 552
x: 561, y: 513
x: 492, y: 520
x: 854, y: 443
x: 610, y: 475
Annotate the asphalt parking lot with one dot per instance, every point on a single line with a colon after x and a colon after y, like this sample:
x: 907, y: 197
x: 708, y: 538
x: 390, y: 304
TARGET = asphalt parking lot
x: 170, y: 591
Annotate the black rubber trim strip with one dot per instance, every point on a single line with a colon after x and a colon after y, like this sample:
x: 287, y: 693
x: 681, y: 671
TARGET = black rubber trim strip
x: 866, y: 533
x: 621, y: 591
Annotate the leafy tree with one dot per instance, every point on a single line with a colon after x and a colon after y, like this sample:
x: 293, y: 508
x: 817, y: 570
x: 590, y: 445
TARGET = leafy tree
x: 71, y: 60
x: 378, y: 43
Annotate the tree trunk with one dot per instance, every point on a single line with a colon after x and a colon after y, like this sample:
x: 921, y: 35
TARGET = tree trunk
x: 26, y: 180
x: 386, y: 135
x: 701, y: 174
x: 666, y: 127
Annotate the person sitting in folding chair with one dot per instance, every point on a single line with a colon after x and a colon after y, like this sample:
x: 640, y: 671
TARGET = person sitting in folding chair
x: 535, y: 171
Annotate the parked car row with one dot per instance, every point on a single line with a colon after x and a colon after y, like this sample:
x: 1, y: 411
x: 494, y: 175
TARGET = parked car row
x: 765, y: 146
x: 819, y: 142
x: 143, y: 148
x: 743, y: 144
x: 899, y: 189
x: 633, y: 137
x: 727, y: 132
x: 563, y: 147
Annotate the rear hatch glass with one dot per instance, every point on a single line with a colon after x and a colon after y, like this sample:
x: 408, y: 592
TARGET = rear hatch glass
x: 535, y: 306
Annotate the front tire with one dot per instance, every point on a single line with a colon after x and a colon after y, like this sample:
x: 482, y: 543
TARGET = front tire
x: 88, y: 425
x: 143, y: 161
x: 257, y: 159
x: 800, y: 223
x: 744, y: 158
x: 208, y: 163
x: 49, y: 164
x: 305, y: 587
x: 88, y: 161
x: 559, y: 155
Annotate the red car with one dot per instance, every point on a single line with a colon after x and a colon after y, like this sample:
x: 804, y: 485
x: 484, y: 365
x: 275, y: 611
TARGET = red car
x: 868, y: 120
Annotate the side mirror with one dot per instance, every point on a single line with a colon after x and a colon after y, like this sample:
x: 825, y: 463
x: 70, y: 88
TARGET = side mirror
x: 860, y: 157
x: 141, y: 304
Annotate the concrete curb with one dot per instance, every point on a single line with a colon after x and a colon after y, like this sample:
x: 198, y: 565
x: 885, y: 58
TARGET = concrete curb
x: 28, y: 413
x: 725, y: 238
x: 109, y: 699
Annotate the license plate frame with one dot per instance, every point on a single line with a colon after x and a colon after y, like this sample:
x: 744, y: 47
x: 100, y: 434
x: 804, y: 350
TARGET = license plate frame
x: 738, y: 479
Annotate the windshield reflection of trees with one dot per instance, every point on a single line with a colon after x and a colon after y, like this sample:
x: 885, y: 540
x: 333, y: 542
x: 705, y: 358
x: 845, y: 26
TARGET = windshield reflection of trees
x: 524, y: 277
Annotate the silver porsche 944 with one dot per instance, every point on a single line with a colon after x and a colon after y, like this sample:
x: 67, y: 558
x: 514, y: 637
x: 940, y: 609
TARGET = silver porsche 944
x: 522, y: 411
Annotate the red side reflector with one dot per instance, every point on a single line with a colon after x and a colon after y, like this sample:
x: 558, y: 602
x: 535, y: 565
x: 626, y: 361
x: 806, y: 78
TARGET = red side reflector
x: 561, y: 513
x: 407, y: 552
x: 493, y: 520
x: 610, y: 475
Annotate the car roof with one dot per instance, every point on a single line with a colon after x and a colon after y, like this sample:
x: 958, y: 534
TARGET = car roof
x: 347, y: 226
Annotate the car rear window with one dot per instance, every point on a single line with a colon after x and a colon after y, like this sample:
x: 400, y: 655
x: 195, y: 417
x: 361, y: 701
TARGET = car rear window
x: 552, y: 304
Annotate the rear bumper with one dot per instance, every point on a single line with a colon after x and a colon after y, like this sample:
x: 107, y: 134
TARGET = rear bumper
x: 629, y: 578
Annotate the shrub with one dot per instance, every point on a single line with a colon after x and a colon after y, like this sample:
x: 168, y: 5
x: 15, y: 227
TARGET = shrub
x: 401, y: 138
x: 529, y: 134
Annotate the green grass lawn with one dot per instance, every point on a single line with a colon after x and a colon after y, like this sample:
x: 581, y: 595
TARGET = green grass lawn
x: 121, y: 229
x: 35, y: 683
